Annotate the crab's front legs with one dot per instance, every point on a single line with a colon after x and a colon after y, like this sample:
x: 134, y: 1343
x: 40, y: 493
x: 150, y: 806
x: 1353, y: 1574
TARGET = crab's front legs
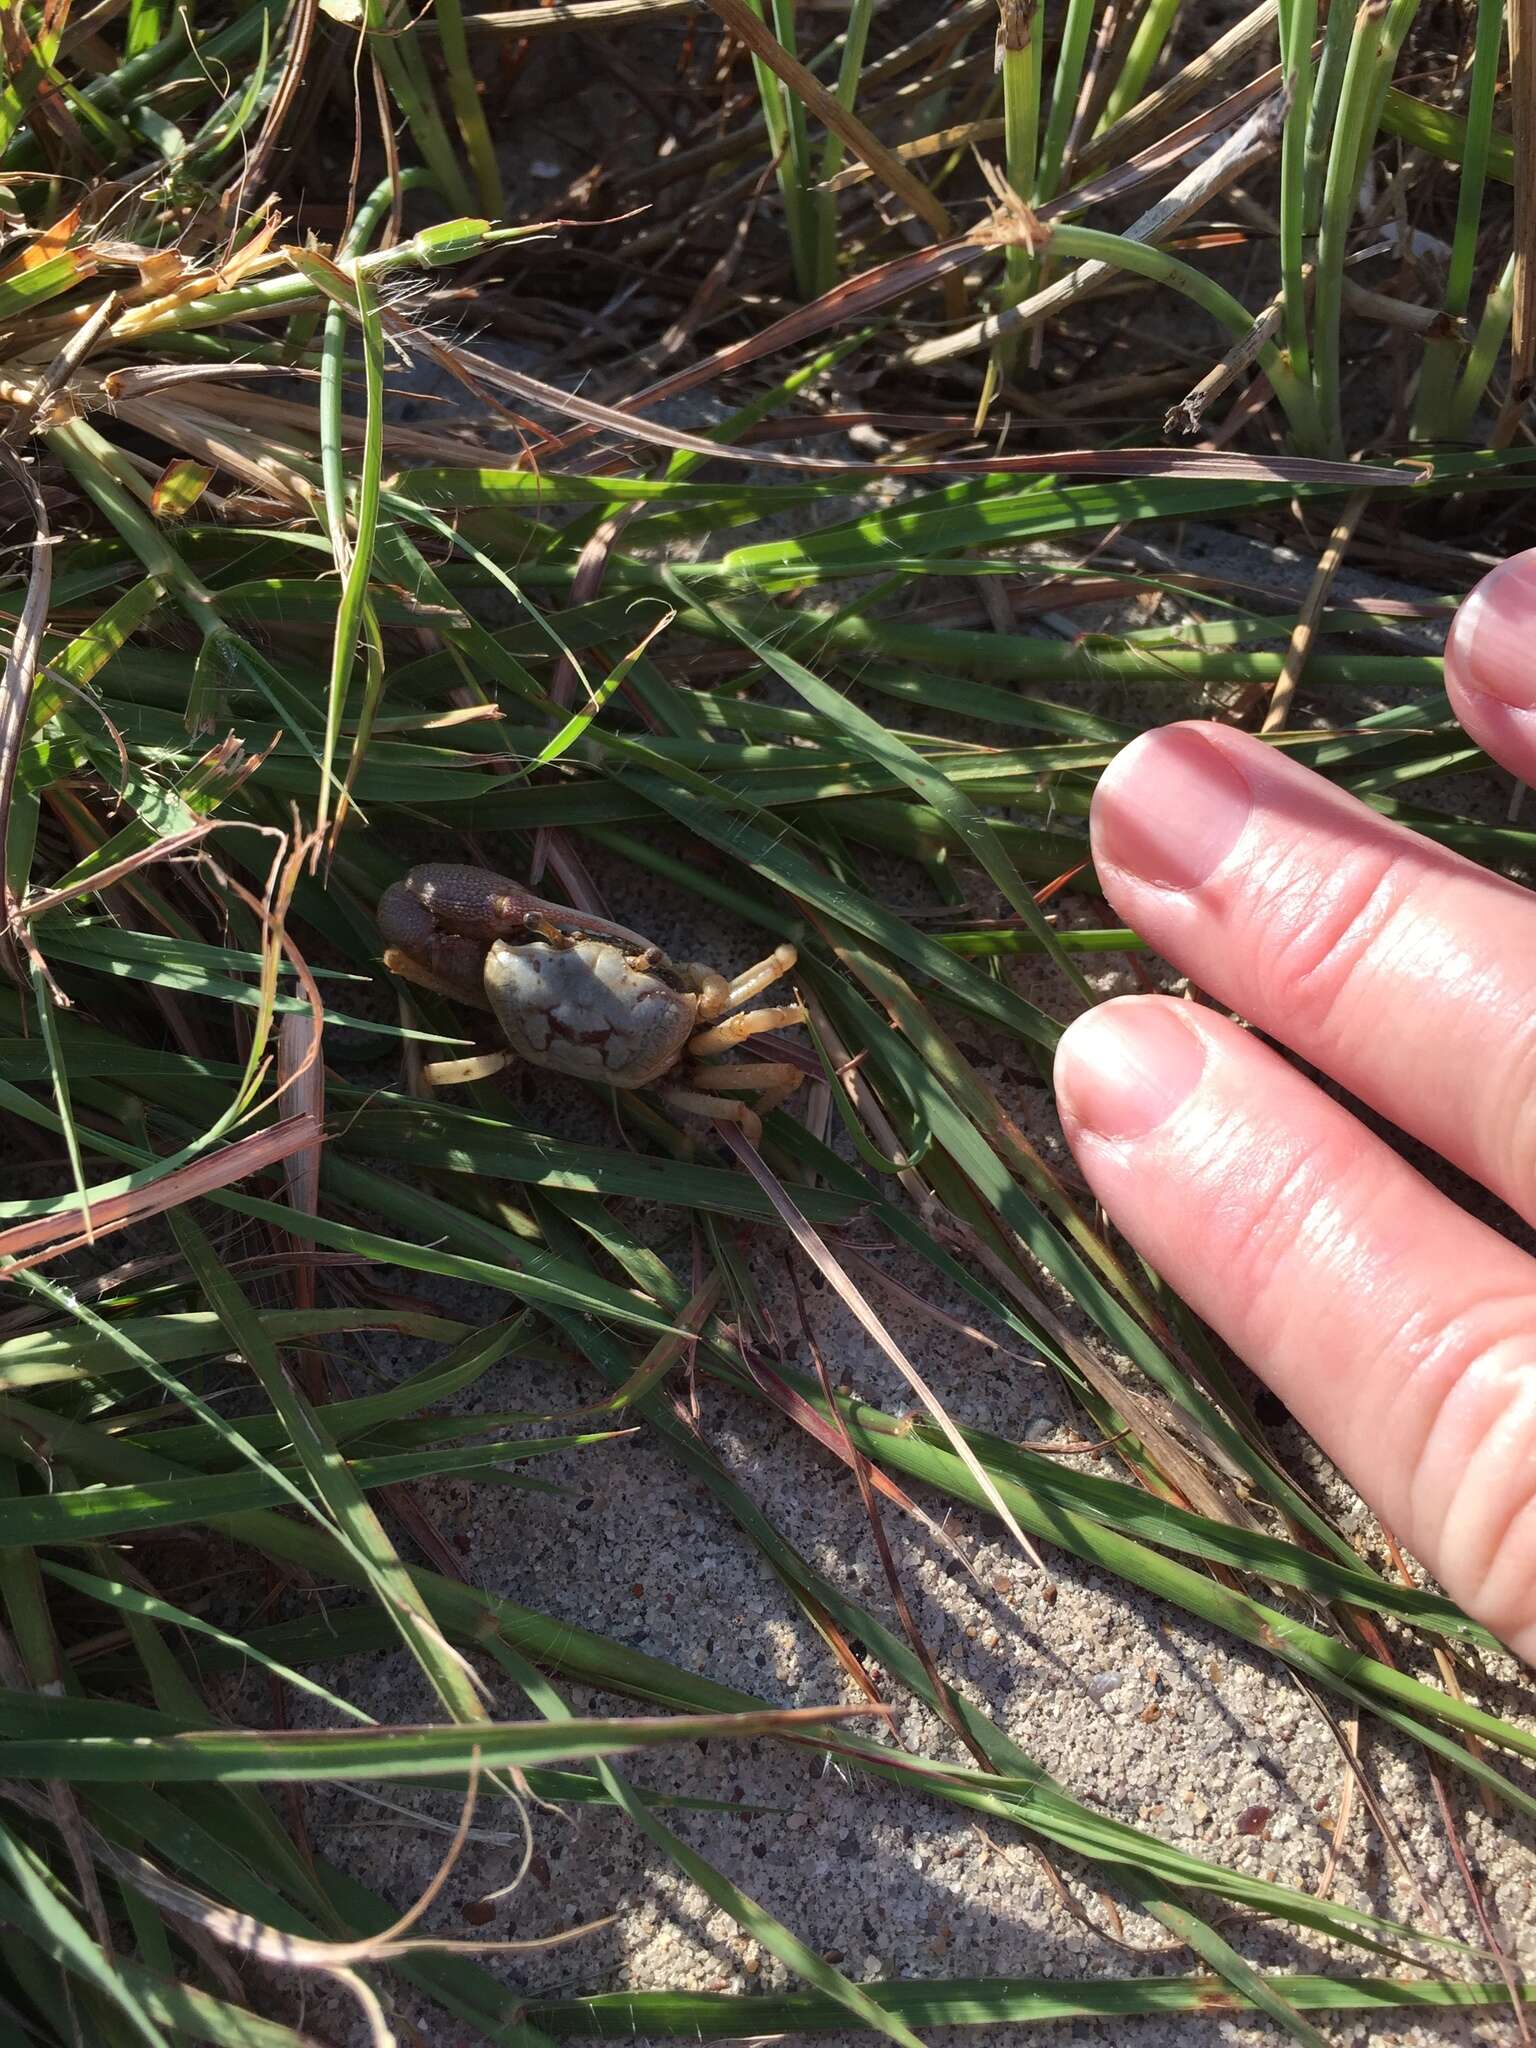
x: 437, y: 925
x: 717, y: 995
x: 770, y: 1082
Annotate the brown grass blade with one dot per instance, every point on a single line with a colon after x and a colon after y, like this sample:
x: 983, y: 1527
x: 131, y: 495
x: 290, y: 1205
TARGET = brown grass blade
x: 1138, y: 462
x: 569, y: 14
x: 301, y: 1077
x: 62, y: 1230
x: 103, y: 878
x: 863, y: 1472
x: 1305, y: 630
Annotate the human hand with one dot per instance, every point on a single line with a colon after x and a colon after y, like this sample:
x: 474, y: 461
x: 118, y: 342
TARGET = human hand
x: 1399, y: 1330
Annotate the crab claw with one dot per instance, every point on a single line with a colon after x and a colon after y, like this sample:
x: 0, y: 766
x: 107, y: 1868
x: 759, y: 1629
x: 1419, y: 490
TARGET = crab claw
x: 417, y: 948
x: 546, y: 929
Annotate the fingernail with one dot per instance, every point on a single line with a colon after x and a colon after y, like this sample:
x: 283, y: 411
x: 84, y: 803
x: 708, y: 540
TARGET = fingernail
x: 1491, y: 647
x: 1124, y: 1069
x: 1169, y: 808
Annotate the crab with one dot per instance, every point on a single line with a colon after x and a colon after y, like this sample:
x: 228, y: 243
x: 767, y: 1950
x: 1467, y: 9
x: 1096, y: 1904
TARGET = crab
x: 578, y: 995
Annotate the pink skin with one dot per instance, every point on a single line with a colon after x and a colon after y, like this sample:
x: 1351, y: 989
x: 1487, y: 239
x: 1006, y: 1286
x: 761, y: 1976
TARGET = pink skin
x: 1399, y: 1330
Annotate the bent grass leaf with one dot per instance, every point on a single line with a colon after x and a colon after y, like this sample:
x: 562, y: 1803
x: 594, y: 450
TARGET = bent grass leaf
x: 92, y: 1514
x: 128, y: 1600
x: 239, y: 1756
x: 178, y: 488
x: 985, y: 2002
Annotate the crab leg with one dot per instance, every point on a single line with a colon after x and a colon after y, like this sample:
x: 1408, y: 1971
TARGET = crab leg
x: 712, y: 989
x: 732, y: 1030
x: 717, y: 995
x: 692, y: 1103
x: 756, y: 979
x: 479, y: 1066
x: 769, y: 1082
x: 751, y: 1077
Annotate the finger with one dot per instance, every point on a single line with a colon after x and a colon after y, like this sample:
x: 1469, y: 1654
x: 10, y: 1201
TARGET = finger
x: 1490, y: 664
x: 1399, y: 1330
x: 1404, y: 971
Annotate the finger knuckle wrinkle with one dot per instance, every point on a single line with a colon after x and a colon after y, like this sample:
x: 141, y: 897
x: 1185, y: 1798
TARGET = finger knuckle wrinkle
x: 1263, y: 1221
x: 1326, y: 929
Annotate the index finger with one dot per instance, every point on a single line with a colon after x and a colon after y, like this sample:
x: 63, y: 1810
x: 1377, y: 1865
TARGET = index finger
x: 1404, y: 971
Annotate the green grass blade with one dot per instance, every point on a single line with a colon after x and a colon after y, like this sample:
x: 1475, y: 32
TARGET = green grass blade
x: 982, y: 2002
x: 468, y: 112
x: 354, y: 549
x: 37, y: 1908
x: 254, y: 1756
x: 925, y: 780
x: 343, y: 1499
x: 127, y: 1599
x: 92, y: 1514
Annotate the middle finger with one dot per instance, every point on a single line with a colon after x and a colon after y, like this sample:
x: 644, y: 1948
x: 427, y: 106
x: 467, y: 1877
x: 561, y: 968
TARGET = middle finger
x: 1396, y: 966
